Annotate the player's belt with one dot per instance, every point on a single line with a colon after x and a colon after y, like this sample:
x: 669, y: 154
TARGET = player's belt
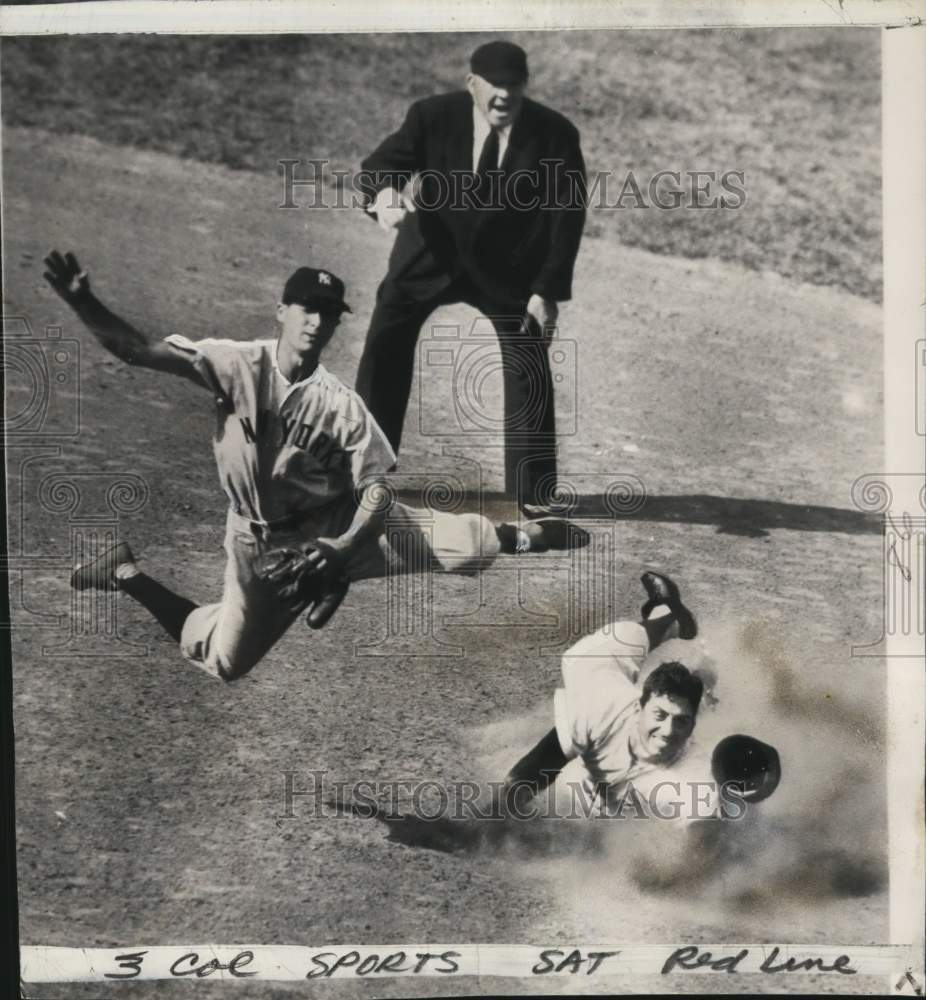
x: 287, y: 523
x: 290, y: 521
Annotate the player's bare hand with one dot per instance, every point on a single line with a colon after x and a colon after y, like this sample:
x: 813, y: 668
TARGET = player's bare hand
x: 540, y: 317
x: 65, y: 276
x: 325, y: 557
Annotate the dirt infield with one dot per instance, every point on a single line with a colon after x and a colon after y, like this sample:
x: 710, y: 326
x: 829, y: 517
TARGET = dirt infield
x: 797, y: 111
x: 150, y: 797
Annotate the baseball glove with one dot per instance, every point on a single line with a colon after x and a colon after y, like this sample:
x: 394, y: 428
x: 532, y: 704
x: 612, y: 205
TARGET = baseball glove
x: 312, y: 576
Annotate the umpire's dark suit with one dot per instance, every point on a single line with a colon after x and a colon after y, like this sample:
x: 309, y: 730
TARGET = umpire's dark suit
x: 493, y: 258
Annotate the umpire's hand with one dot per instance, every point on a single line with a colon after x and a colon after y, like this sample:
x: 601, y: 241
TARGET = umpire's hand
x: 391, y: 206
x: 540, y: 317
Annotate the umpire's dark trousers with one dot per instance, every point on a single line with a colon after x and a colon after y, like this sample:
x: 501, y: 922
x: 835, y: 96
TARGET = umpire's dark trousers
x: 384, y: 380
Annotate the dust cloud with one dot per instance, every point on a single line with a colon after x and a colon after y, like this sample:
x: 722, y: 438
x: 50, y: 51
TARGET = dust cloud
x: 821, y: 837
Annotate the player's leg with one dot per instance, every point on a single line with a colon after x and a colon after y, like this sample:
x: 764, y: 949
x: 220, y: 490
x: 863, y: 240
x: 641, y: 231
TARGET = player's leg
x: 115, y: 569
x: 540, y: 535
x: 228, y: 639
x: 384, y: 375
x: 421, y: 539
x: 663, y: 614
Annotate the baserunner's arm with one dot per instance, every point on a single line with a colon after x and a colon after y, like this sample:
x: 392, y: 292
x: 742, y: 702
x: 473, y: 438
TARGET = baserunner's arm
x: 128, y: 343
x: 539, y: 766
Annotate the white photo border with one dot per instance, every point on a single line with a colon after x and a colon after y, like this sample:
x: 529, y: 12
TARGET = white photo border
x: 904, y: 207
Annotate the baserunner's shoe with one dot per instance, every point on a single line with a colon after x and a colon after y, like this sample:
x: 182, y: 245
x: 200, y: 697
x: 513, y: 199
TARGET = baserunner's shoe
x: 663, y: 590
x: 100, y: 573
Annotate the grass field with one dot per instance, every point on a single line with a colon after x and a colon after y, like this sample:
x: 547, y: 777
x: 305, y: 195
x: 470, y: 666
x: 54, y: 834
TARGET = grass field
x: 798, y: 112
x: 149, y: 796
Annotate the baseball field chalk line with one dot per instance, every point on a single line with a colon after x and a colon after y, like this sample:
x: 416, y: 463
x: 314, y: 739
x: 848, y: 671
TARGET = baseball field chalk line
x: 291, y: 963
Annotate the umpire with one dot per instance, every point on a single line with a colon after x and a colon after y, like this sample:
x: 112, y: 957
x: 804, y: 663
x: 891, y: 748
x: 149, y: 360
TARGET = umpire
x: 493, y: 218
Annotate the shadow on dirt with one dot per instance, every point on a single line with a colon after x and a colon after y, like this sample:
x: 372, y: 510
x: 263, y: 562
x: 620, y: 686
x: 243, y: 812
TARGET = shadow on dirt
x: 736, y: 854
x: 482, y: 835
x: 731, y: 515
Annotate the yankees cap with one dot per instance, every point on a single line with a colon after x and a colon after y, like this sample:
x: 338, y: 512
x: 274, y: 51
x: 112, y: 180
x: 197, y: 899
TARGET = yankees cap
x: 310, y: 285
x: 501, y: 63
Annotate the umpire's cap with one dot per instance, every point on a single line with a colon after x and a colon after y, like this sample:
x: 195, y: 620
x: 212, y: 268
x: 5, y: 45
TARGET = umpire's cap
x: 501, y: 63
x: 309, y: 285
x: 752, y: 767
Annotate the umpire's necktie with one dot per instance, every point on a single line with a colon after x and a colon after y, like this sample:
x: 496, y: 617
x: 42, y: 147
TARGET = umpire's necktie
x: 488, y: 160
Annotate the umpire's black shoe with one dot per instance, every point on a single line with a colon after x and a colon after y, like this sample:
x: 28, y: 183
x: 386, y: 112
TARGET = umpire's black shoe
x: 663, y: 590
x: 534, y: 511
x: 100, y: 573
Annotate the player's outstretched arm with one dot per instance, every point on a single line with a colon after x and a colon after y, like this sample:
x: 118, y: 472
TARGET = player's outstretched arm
x: 131, y: 345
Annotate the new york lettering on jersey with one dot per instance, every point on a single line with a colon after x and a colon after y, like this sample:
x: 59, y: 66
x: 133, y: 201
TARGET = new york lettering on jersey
x: 282, y: 447
x: 288, y: 430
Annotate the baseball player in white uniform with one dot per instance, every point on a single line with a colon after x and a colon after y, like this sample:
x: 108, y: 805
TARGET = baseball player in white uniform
x: 620, y: 738
x: 302, y: 463
x: 618, y: 748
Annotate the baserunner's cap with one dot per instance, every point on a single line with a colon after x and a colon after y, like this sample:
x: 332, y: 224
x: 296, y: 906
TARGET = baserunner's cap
x: 501, y: 63
x: 750, y: 767
x: 310, y: 285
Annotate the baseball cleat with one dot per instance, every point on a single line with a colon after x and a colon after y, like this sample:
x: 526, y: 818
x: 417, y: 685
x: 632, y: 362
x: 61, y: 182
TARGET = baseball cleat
x: 534, y: 512
x: 662, y: 590
x: 555, y: 533
x: 100, y: 574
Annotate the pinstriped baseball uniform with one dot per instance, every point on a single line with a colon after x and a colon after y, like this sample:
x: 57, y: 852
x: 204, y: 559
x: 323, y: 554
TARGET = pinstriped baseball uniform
x: 299, y: 451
